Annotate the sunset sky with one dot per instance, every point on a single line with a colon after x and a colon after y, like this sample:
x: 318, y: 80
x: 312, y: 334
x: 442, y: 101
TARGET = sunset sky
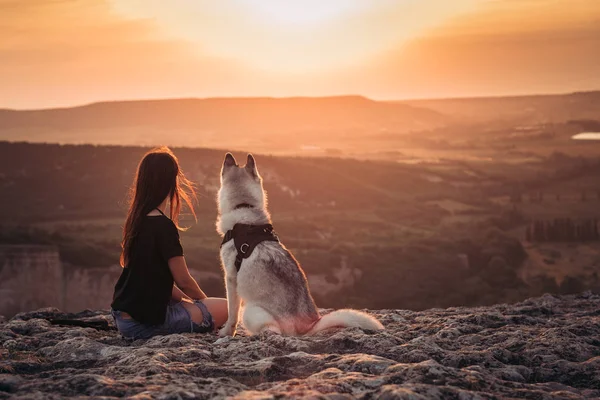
x: 69, y: 52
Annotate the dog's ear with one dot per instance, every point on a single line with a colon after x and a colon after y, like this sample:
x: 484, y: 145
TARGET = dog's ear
x: 251, y: 166
x: 228, y: 162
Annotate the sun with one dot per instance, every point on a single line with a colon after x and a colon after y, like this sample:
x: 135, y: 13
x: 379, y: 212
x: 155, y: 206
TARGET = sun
x: 306, y: 12
x: 291, y: 37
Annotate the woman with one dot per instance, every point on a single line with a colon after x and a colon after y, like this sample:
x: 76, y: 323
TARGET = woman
x: 155, y: 294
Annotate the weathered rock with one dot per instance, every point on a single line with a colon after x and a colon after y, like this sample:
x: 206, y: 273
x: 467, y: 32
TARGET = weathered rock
x: 543, y: 348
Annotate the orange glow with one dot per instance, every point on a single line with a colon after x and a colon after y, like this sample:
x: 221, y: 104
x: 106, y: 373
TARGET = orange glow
x: 295, y: 36
x: 59, y: 53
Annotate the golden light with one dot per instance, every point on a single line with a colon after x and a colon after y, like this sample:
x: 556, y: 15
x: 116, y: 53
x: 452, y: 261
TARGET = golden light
x: 306, y: 12
x: 294, y: 36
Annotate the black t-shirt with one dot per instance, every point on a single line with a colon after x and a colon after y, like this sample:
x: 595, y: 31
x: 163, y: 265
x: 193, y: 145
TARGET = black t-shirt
x: 146, y: 283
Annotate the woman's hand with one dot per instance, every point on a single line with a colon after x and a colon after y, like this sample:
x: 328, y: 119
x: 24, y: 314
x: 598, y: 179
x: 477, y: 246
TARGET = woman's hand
x: 178, y: 295
x: 183, y: 279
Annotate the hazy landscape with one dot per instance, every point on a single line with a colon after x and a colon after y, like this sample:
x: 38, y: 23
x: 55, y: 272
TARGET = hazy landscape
x: 411, y: 204
x: 434, y: 164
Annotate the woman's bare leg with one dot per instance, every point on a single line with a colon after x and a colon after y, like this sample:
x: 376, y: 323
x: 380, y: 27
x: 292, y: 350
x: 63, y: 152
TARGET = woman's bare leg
x: 217, y: 307
x: 195, y: 313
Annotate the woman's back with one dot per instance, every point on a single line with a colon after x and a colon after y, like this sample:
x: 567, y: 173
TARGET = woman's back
x: 156, y: 294
x: 145, y: 285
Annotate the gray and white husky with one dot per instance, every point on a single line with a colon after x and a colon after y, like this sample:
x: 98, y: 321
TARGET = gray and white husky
x: 270, y: 282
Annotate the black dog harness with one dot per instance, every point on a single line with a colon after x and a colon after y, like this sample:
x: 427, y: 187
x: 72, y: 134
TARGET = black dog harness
x: 246, y: 238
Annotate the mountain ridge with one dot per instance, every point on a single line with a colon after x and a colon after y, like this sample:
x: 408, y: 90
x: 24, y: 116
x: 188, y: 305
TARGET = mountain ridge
x: 196, y: 122
x: 341, y: 96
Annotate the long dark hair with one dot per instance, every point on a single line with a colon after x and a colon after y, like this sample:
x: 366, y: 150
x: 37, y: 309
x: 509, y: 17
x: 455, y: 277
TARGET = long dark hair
x: 158, y: 177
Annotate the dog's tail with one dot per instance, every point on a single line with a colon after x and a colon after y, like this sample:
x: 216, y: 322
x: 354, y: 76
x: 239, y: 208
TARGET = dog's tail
x: 346, y: 319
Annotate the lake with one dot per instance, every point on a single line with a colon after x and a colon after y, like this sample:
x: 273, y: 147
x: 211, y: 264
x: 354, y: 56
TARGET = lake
x: 587, y: 136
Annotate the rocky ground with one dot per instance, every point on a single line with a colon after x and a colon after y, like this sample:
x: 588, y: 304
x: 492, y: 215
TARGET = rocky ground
x: 543, y: 348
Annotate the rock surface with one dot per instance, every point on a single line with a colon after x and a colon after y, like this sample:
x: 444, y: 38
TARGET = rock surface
x: 543, y: 348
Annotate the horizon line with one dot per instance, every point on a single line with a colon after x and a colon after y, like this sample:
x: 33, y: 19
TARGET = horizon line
x: 381, y: 100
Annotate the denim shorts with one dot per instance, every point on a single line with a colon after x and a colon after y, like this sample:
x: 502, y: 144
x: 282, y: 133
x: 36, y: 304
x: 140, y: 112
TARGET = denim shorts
x: 177, y: 320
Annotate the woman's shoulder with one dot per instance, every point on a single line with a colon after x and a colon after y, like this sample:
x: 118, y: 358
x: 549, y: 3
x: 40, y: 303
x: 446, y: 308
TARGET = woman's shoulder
x: 162, y: 222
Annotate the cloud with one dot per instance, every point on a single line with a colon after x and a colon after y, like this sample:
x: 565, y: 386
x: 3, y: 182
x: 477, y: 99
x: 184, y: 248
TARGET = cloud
x: 73, y: 51
x: 496, y: 50
x: 66, y: 52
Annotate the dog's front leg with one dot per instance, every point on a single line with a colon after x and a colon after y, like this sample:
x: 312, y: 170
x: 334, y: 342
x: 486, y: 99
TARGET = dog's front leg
x: 233, y: 306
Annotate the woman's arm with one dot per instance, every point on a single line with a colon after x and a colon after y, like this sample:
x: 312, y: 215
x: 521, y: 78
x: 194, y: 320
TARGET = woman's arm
x: 178, y: 295
x: 183, y: 279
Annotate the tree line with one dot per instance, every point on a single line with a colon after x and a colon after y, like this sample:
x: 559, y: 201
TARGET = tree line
x: 563, y: 230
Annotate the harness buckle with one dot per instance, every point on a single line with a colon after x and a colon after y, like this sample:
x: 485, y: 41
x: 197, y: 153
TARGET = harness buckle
x: 243, y: 249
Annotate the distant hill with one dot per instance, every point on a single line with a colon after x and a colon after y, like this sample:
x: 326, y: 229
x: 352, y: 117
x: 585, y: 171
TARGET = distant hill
x: 213, y: 122
x: 296, y: 125
x: 518, y: 109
